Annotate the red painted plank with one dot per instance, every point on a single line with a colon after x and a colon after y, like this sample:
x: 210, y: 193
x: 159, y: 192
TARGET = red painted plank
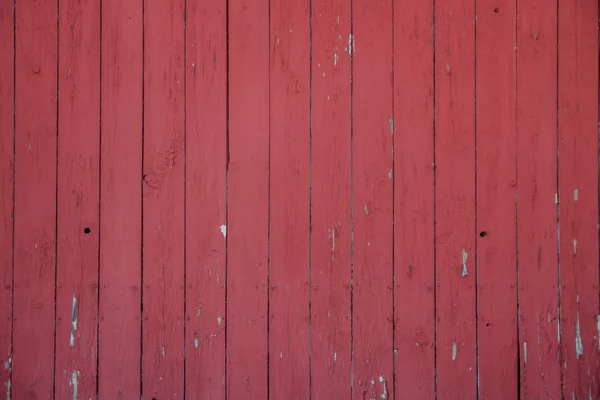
x: 373, y: 199
x: 7, y: 126
x: 413, y: 199
x: 163, y: 202
x: 206, y: 144
x: 35, y: 199
x: 455, y: 200
x: 78, y: 199
x: 289, y: 199
x: 121, y: 200
x: 496, y: 199
x: 537, y: 213
x: 248, y: 200
x: 578, y: 196
x: 332, y: 49
x: 120, y: 341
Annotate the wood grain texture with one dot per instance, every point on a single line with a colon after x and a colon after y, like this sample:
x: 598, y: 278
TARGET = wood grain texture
x: 578, y: 196
x: 7, y: 162
x: 121, y: 200
x: 537, y: 209
x: 163, y: 201
x: 372, y: 187
x: 78, y: 199
x: 289, y: 111
x: 496, y: 199
x: 248, y: 200
x: 455, y: 200
x: 206, y: 163
x: 413, y: 123
x: 331, y: 229
x: 35, y: 198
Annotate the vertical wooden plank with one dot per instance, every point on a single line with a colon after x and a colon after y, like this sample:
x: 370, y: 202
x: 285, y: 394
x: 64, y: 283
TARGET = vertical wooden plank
x: 163, y: 201
x: 206, y: 158
x: 455, y: 199
x: 35, y: 198
x: 413, y: 199
x: 332, y: 49
x: 289, y: 199
x: 121, y: 200
x: 496, y: 199
x: 248, y: 200
x: 537, y: 214
x: 78, y: 198
x: 373, y: 199
x: 7, y: 162
x: 578, y: 196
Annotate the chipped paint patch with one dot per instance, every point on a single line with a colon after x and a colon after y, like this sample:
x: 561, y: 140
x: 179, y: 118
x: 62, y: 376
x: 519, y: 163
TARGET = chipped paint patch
x: 598, y: 327
x: 8, y: 384
x: 384, y: 394
x: 454, y: 350
x: 525, y: 352
x: 574, y: 246
x: 366, y: 210
x: 391, y: 125
x: 334, y: 357
x: 223, y: 230
x: 75, y: 383
x: 196, y: 343
x: 390, y: 174
x: 555, y: 198
x: 465, y: 255
x: 163, y: 351
x: 576, y: 194
x: 73, y: 322
x: 332, y: 237
x: 219, y: 320
x: 578, y: 342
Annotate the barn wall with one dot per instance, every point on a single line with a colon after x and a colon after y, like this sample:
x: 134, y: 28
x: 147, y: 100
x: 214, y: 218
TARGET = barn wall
x: 311, y: 199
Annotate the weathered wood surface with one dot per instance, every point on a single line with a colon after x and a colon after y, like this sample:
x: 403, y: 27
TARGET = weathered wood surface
x: 323, y: 199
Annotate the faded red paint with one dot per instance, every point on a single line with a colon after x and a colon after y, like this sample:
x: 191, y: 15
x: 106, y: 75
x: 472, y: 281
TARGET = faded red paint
x: 314, y: 199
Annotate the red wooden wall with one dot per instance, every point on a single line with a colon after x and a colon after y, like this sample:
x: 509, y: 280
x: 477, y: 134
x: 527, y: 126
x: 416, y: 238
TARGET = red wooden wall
x: 310, y: 199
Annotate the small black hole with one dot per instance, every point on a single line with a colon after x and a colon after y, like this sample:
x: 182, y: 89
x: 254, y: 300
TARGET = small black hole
x: 483, y: 234
x: 496, y: 10
x: 87, y: 230
x: 487, y: 325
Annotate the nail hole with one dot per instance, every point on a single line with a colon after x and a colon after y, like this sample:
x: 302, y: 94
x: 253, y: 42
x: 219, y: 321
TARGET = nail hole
x: 496, y: 10
x: 87, y: 230
x: 483, y: 234
x: 487, y: 325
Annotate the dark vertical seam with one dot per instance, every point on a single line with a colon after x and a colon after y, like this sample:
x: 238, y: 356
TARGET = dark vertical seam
x: 559, y: 325
x: 350, y: 50
x: 310, y: 204
x: 516, y: 88
x: 99, y: 204
x: 14, y: 169
x: 56, y: 192
x: 434, y: 16
x: 393, y: 89
x: 598, y: 151
x: 227, y: 157
x: 477, y: 365
x: 142, y: 202
x: 185, y: 285
x: 269, y: 209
